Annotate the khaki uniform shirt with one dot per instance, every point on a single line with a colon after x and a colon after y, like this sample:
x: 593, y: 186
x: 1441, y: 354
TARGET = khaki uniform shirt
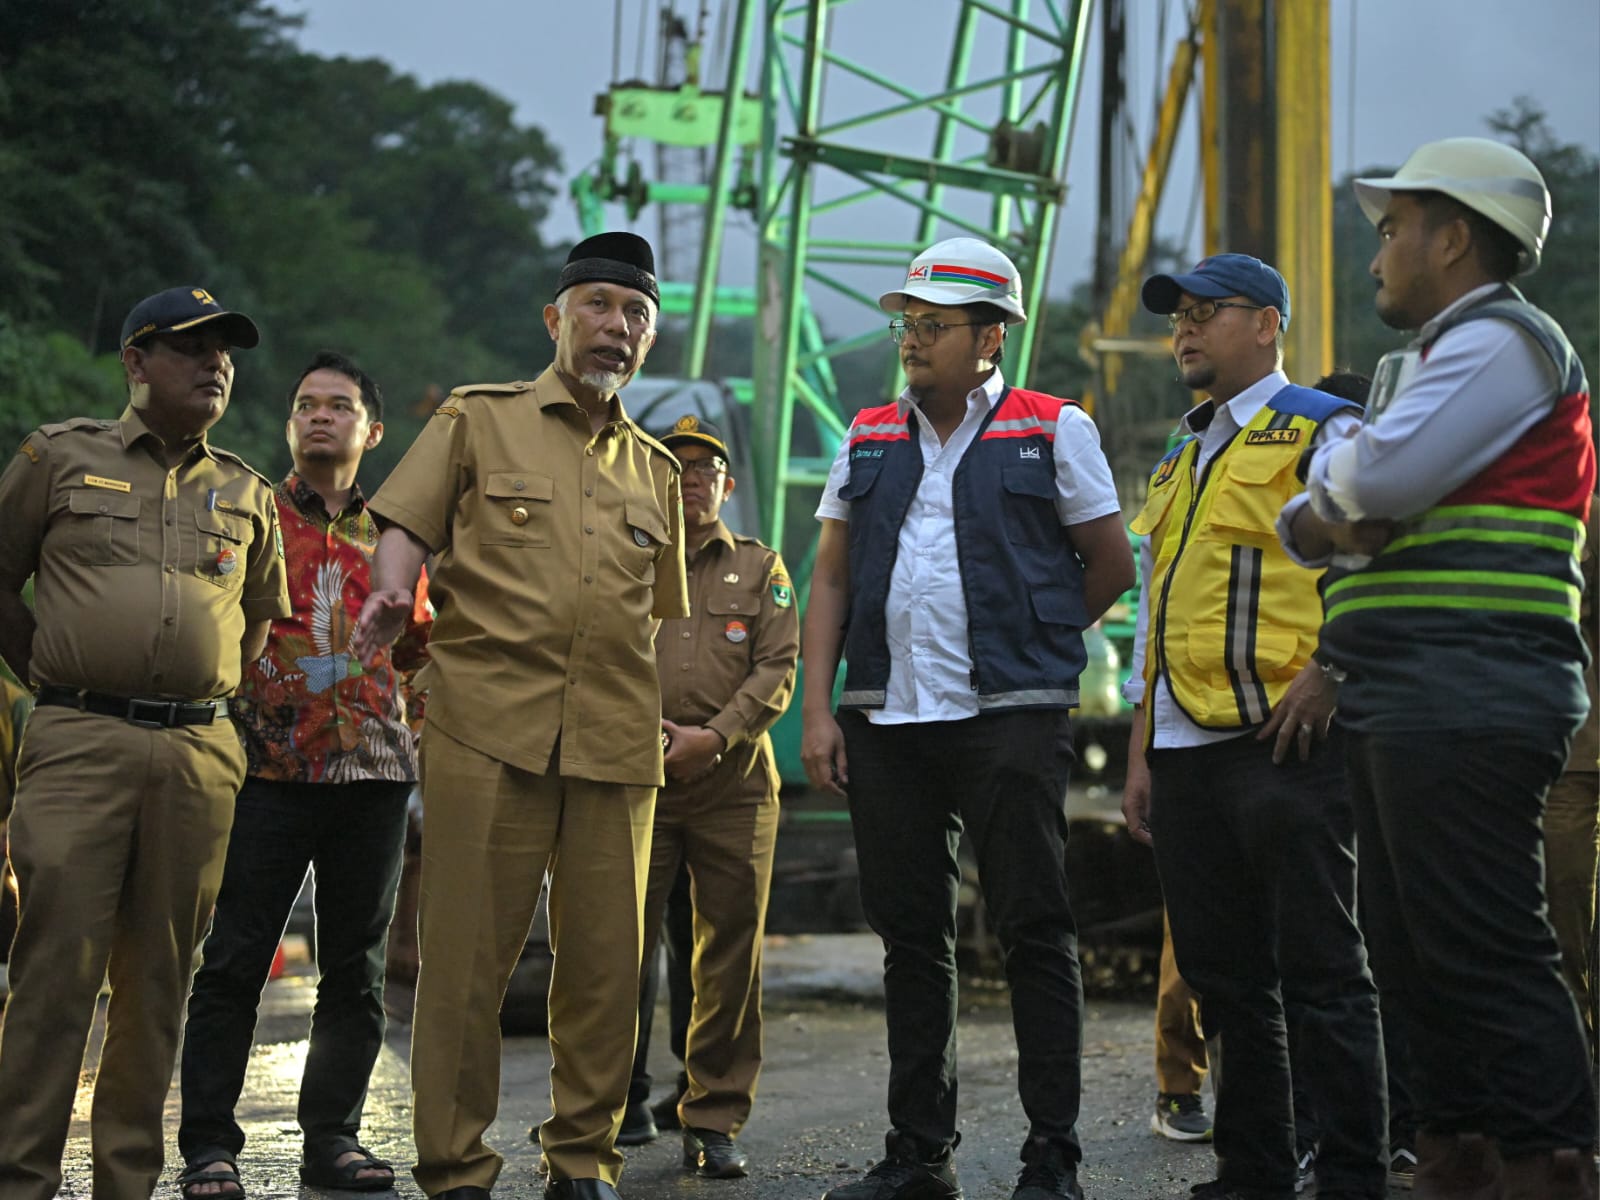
x: 730, y: 665
x: 145, y: 575
x: 556, y: 546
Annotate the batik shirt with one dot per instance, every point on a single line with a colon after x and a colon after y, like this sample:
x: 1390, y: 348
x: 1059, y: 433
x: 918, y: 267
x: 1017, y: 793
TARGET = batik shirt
x: 308, y: 710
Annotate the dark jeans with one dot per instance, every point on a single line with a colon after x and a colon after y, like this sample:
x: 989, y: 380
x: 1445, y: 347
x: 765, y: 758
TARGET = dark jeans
x: 1258, y: 867
x: 352, y: 834
x: 1452, y: 871
x: 912, y: 790
x: 677, y: 939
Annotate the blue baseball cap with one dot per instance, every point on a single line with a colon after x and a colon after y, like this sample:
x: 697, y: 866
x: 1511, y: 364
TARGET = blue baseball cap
x: 1218, y: 276
x: 181, y: 308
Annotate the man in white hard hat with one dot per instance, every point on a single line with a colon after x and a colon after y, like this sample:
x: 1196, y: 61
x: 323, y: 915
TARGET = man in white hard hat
x: 970, y: 532
x: 1461, y: 663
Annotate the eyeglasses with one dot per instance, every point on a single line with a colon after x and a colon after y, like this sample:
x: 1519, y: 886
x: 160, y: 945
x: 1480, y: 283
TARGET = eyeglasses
x: 925, y: 332
x: 1202, y: 312
x: 706, y: 468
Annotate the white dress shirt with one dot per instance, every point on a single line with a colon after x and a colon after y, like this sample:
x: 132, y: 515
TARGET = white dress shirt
x: 930, y: 668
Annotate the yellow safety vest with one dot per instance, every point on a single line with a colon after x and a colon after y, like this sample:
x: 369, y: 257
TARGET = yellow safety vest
x: 1219, y: 566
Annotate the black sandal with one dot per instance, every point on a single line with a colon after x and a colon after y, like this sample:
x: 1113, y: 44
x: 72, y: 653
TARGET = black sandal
x: 327, y: 1175
x: 195, y: 1175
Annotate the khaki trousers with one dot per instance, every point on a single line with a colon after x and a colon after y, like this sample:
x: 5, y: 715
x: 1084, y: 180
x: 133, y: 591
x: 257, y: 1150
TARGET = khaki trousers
x: 489, y: 833
x: 725, y: 831
x: 1571, y: 846
x: 1180, y: 1050
x: 118, y: 841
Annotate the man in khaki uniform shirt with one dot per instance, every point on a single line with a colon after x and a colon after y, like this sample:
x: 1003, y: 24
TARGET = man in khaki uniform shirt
x: 558, y: 529
x: 158, y: 569
x: 727, y: 673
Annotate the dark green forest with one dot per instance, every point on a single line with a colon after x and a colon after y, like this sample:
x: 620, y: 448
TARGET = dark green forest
x: 147, y: 143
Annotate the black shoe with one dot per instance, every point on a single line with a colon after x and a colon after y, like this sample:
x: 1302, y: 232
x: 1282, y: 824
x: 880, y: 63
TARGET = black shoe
x: 580, y: 1189
x: 1215, y: 1189
x: 1047, y: 1173
x: 903, y: 1176
x: 713, y: 1155
x: 665, y: 1112
x: 638, y: 1126
x: 461, y: 1193
x: 1305, y: 1167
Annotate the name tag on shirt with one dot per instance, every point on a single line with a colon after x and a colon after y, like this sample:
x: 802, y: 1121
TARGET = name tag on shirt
x: 115, y: 485
x: 1271, y: 437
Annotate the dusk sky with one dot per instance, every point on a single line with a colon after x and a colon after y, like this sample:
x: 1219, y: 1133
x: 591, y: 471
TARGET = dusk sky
x: 1404, y: 72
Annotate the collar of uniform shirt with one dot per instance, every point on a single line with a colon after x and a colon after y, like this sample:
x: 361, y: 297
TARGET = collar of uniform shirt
x: 548, y: 389
x: 132, y: 427
x: 987, y: 393
x: 1239, y: 411
x: 719, y: 533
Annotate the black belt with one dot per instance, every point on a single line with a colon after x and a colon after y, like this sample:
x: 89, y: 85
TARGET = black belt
x: 151, y: 714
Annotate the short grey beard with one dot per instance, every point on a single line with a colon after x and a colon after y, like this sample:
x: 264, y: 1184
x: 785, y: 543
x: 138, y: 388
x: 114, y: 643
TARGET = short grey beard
x: 604, y: 382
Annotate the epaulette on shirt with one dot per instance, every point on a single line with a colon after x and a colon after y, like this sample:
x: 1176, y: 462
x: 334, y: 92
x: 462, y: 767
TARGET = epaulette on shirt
x: 450, y: 408
x: 1309, y: 403
x: 234, y: 458
x: 656, y: 446
x: 1168, y: 462
x: 60, y: 427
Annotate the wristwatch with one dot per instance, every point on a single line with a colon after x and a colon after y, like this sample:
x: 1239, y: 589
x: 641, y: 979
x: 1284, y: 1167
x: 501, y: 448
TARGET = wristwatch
x: 1333, y: 674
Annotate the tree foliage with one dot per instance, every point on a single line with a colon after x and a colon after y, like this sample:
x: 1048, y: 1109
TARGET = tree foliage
x: 148, y: 143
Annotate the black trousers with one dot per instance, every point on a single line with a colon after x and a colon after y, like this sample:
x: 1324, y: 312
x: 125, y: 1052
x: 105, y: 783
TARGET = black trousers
x: 1452, y: 873
x: 677, y: 941
x: 352, y: 835
x: 913, y: 788
x: 1258, y: 868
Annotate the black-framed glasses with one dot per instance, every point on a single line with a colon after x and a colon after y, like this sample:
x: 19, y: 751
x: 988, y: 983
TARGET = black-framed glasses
x: 925, y: 331
x: 1202, y: 312
x: 706, y: 468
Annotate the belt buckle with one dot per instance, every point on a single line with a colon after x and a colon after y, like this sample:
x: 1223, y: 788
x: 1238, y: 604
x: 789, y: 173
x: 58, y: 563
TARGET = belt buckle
x: 167, y: 708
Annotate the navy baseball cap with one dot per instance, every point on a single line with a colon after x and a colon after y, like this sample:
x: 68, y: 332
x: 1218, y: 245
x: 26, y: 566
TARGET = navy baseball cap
x: 697, y: 430
x: 182, y: 308
x: 1218, y: 276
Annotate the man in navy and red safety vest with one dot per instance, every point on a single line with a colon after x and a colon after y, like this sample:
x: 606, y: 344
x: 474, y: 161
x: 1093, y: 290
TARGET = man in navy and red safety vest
x: 1461, y: 662
x: 970, y: 532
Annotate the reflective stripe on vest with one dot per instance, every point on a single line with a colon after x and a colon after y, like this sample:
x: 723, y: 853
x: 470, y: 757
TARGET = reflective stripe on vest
x: 1534, y: 592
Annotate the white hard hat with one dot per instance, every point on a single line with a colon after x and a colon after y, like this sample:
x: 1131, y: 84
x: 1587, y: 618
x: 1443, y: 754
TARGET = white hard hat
x: 1489, y: 177
x: 961, y: 271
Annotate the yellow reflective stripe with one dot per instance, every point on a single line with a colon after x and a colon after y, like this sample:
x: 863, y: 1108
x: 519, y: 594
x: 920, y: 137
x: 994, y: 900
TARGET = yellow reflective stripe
x: 1508, y: 579
x: 1561, y: 544
x: 1537, y: 607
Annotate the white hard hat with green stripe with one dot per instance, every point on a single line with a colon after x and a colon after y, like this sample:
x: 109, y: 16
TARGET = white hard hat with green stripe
x: 961, y: 271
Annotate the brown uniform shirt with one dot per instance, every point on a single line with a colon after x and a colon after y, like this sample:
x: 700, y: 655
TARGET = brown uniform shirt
x: 145, y: 575
x: 556, y: 547
x: 730, y: 665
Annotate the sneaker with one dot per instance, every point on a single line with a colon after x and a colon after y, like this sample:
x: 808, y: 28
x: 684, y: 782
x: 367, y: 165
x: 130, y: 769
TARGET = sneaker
x: 1402, y: 1167
x: 1047, y: 1173
x: 1305, y: 1168
x: 902, y: 1176
x: 1181, y: 1117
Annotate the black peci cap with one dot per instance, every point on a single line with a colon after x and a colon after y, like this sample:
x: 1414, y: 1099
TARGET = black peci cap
x: 624, y: 258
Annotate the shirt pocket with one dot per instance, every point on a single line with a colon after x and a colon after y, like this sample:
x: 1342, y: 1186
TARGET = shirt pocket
x: 102, y: 528
x: 517, y: 509
x: 1255, y: 483
x: 643, y: 539
x: 730, y: 621
x: 224, y: 538
x: 1030, y: 495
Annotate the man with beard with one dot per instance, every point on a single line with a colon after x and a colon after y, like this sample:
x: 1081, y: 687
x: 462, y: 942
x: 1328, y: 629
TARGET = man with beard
x: 158, y: 570
x: 1461, y: 660
x: 970, y: 533
x: 1231, y: 774
x: 331, y: 762
x: 558, y: 531
x: 727, y: 672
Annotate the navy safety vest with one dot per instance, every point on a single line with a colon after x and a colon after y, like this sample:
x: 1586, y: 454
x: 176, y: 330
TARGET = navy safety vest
x: 1022, y: 581
x: 1468, y: 618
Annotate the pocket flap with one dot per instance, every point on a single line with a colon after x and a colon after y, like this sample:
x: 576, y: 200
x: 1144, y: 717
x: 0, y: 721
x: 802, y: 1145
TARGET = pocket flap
x: 518, y: 485
x: 1030, y: 479
x: 863, y: 474
x: 100, y: 502
x: 1262, y: 463
x: 223, y: 525
x: 646, y: 517
x: 1059, y: 606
